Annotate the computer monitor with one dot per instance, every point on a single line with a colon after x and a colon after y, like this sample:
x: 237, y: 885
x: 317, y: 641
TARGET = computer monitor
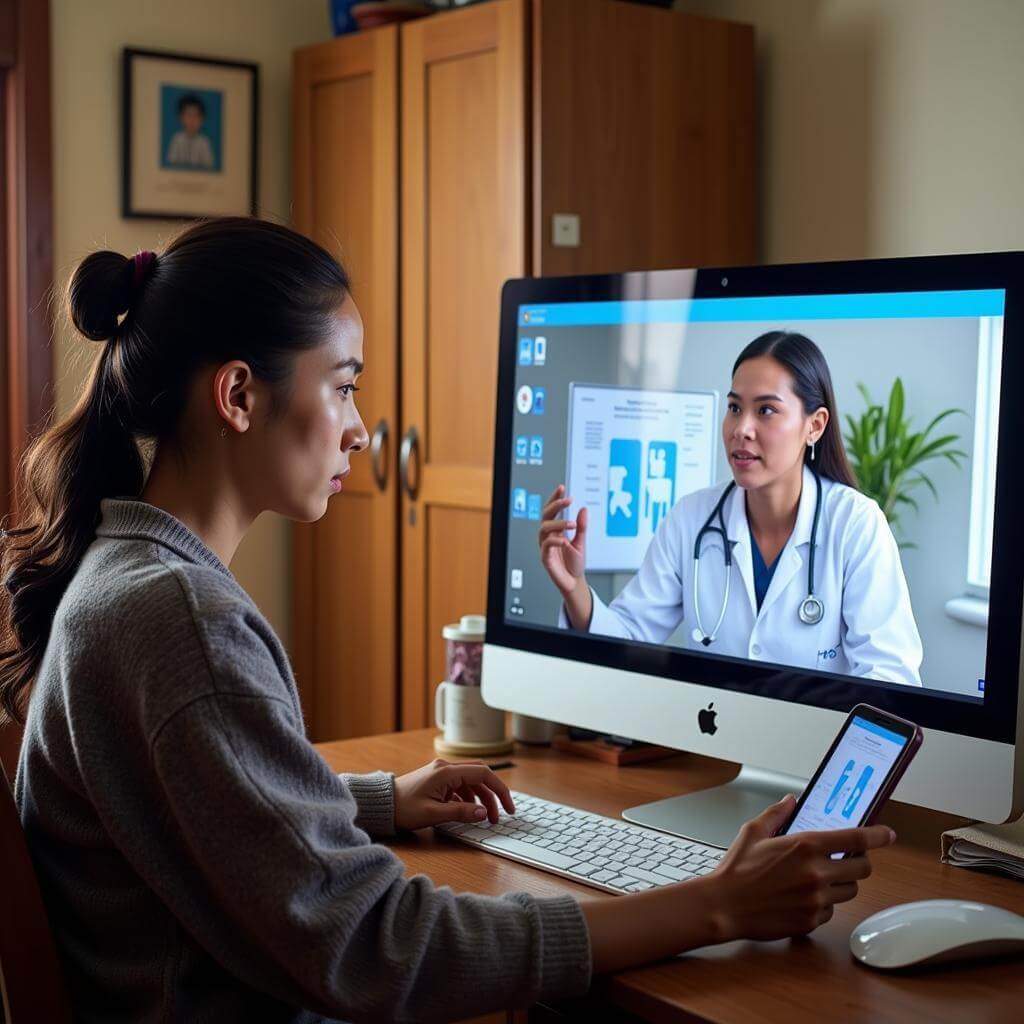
x: 621, y: 387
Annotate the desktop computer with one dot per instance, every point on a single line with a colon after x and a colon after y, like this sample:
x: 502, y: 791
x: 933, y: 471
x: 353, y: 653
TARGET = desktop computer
x: 658, y: 405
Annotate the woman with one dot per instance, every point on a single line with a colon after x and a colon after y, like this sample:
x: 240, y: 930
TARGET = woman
x: 839, y: 604
x: 199, y: 860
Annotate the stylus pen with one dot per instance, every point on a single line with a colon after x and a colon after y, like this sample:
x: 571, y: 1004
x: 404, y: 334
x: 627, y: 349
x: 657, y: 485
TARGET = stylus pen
x: 501, y: 764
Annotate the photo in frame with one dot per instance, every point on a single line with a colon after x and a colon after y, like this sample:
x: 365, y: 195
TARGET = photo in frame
x: 190, y: 136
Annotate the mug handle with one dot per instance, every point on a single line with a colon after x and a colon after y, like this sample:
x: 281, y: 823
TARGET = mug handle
x: 439, y: 705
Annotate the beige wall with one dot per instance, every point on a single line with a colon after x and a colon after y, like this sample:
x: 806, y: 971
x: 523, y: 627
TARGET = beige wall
x: 87, y: 41
x: 887, y: 127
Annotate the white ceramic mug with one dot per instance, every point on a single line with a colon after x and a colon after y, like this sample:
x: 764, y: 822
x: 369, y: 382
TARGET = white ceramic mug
x: 461, y: 713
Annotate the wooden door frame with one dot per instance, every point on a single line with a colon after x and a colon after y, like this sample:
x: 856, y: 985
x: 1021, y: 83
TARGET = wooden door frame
x: 26, y: 223
x: 26, y: 267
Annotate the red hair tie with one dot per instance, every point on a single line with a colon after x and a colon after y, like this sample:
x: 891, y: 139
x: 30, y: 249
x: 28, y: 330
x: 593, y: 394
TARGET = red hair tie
x: 143, y: 262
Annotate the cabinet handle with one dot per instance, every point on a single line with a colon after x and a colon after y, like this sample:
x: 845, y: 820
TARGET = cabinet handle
x: 377, y: 444
x: 410, y: 445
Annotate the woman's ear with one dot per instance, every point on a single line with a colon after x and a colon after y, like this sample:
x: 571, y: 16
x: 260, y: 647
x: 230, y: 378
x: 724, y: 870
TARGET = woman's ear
x: 819, y: 421
x: 234, y: 394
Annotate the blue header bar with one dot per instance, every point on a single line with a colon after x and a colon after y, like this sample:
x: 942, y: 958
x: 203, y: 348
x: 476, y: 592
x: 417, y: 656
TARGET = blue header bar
x: 879, y: 730
x: 779, y: 308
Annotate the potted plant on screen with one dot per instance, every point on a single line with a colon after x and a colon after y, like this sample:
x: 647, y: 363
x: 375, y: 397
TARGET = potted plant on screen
x: 887, y: 455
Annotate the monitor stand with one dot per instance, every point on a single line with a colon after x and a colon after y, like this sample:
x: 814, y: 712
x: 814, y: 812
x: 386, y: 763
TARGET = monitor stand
x: 714, y: 816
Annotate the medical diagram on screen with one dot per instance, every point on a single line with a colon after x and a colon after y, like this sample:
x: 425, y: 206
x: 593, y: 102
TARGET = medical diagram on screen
x: 632, y: 454
x: 849, y: 782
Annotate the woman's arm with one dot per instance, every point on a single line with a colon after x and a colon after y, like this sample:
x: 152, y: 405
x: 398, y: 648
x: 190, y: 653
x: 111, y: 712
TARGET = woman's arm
x: 255, y: 850
x: 881, y: 640
x: 765, y: 888
x: 650, y: 606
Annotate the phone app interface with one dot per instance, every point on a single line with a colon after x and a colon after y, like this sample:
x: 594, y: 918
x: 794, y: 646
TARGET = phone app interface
x: 852, y: 777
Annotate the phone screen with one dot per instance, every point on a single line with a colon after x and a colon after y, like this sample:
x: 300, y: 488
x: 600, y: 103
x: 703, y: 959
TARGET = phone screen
x: 846, y: 786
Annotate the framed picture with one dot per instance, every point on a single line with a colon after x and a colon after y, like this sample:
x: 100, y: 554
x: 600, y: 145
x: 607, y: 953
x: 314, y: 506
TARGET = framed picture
x: 191, y: 130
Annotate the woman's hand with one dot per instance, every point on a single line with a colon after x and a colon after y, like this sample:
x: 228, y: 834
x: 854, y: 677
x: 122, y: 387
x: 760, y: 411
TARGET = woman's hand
x: 772, y: 887
x: 440, y: 792
x: 564, y: 559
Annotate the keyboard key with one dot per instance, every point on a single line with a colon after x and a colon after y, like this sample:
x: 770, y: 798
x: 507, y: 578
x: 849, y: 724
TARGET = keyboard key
x: 603, y: 876
x: 476, y: 833
x: 676, y: 874
x: 621, y: 882
x: 638, y: 874
x: 556, y: 860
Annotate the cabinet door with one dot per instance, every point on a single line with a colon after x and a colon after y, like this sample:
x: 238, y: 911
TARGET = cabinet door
x: 463, y: 234
x: 346, y: 565
x: 644, y: 124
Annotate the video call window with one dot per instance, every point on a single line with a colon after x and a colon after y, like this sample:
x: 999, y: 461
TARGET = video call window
x: 631, y: 406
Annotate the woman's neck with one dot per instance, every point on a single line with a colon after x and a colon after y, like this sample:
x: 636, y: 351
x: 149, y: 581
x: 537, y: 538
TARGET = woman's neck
x: 210, y: 510
x: 772, y: 509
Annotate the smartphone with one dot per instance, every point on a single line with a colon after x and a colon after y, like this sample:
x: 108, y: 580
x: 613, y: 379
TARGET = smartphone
x: 856, y: 776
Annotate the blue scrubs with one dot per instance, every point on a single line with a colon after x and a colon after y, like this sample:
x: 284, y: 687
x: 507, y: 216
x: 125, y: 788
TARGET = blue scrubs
x: 762, y: 573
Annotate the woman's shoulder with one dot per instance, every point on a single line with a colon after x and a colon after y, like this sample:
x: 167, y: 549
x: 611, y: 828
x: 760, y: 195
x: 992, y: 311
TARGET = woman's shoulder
x: 135, y: 606
x: 848, y: 506
x: 134, y: 580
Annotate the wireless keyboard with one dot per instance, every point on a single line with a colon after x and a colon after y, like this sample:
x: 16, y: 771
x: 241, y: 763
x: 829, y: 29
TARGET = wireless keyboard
x: 607, y: 853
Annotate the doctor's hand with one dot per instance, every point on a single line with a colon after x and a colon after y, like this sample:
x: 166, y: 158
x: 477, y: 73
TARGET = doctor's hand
x: 441, y: 791
x: 772, y: 887
x: 564, y: 559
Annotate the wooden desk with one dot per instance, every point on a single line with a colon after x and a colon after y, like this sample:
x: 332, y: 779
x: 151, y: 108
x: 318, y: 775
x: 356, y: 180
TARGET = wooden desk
x: 813, y: 979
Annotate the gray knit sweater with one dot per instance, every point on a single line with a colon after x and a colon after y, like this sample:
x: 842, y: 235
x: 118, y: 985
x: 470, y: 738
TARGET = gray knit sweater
x: 199, y: 859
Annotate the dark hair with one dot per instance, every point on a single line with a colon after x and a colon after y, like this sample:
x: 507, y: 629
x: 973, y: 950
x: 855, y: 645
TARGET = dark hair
x: 812, y: 384
x: 190, y: 99
x: 228, y: 288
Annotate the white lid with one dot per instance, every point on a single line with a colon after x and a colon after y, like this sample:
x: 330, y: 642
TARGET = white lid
x: 469, y: 627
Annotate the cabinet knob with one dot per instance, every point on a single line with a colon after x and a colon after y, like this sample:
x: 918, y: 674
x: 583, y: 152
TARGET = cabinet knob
x: 410, y: 447
x: 378, y: 463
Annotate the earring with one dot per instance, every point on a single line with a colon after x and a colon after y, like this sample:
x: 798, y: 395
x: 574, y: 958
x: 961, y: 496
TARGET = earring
x: 223, y: 431
x: 812, y: 451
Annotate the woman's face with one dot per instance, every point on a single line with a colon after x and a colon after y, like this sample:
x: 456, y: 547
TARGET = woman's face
x: 765, y: 430
x: 305, y: 449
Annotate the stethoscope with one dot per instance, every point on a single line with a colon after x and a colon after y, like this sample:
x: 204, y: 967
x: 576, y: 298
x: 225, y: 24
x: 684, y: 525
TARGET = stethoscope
x: 812, y: 608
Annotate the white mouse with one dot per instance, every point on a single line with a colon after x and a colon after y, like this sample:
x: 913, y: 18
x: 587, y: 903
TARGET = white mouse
x: 934, y: 931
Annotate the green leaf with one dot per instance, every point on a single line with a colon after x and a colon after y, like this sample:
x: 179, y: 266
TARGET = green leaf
x: 886, y: 455
x: 894, y: 420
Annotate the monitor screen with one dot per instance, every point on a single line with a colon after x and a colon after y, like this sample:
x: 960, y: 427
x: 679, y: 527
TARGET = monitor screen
x: 708, y: 447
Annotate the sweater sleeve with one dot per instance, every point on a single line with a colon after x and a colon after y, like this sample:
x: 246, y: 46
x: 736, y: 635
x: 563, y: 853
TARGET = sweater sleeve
x: 374, y: 795
x: 271, y: 871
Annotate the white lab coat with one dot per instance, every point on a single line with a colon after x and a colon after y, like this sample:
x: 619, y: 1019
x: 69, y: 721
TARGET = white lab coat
x: 868, y: 628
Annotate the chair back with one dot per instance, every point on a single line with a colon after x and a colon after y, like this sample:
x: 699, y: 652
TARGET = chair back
x: 31, y: 984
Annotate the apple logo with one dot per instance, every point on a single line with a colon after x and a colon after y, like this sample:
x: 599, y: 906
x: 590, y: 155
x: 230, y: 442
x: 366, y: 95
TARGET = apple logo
x: 706, y: 719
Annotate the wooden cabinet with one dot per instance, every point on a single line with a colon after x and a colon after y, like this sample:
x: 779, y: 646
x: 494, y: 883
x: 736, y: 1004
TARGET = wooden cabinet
x: 471, y: 129
x: 345, y: 567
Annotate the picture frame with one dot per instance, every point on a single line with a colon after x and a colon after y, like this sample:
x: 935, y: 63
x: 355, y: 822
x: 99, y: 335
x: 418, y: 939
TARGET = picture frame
x: 190, y: 138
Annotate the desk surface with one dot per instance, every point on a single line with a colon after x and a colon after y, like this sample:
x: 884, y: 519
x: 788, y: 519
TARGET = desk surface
x: 810, y: 979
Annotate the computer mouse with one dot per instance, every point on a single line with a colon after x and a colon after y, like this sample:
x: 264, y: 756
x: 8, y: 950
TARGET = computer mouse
x: 936, y: 931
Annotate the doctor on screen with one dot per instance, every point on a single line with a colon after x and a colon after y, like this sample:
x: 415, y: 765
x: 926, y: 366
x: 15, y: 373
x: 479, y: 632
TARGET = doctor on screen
x: 788, y: 562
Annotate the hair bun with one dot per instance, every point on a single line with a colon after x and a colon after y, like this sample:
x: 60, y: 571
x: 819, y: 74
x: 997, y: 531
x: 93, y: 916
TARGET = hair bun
x: 101, y: 291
